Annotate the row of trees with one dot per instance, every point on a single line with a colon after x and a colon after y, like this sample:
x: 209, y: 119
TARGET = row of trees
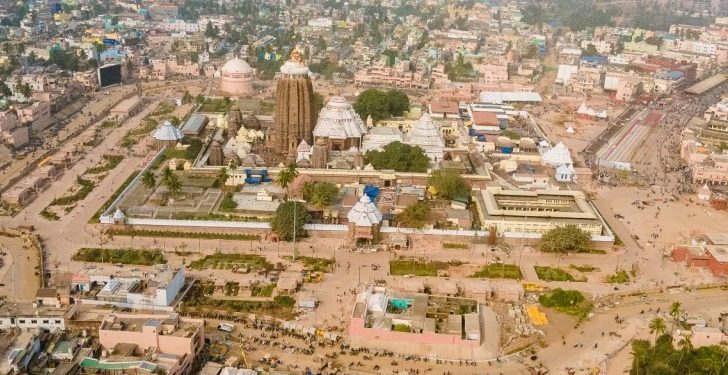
x: 662, y: 358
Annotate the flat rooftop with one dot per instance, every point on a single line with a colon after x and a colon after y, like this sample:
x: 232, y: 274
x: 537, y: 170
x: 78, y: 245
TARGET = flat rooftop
x: 126, y: 105
x: 719, y: 252
x: 535, y: 204
x: 130, y: 324
x: 706, y: 84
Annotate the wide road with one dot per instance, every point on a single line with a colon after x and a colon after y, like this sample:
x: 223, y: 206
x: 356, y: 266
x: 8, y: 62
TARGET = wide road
x: 99, y: 102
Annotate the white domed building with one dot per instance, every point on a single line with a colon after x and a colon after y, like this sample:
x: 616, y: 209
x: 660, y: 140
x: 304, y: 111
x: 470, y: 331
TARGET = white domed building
x: 425, y: 133
x: 237, y: 77
x: 167, y: 135
x: 340, y: 126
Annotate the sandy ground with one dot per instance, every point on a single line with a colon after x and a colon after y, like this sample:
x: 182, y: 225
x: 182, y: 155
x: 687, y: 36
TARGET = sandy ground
x: 19, y: 270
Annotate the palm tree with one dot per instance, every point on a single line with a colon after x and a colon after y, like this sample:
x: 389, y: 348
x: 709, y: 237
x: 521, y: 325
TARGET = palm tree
x: 173, y: 185
x: 286, y: 176
x: 319, y: 201
x: 222, y: 176
x: 307, y: 190
x: 167, y: 174
x: 657, y: 326
x: 675, y: 311
x: 149, y: 180
x: 685, y: 345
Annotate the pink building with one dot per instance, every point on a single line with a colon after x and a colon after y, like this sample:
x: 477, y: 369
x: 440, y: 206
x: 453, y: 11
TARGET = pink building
x: 38, y: 115
x: 12, y: 130
x: 389, y: 76
x: 494, y: 73
x: 175, y: 337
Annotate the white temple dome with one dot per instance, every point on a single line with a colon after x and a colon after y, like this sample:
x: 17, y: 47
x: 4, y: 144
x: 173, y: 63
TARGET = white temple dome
x: 364, y: 213
x: 167, y: 132
x: 236, y: 66
x: 338, y: 120
x: 424, y: 133
x: 237, y: 77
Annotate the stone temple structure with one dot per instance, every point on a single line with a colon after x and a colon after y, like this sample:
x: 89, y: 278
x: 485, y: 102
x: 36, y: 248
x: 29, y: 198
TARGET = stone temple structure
x: 365, y: 220
x: 340, y: 126
x: 294, y: 117
x: 167, y: 135
x: 237, y: 77
x: 234, y: 121
x: 424, y: 133
x: 216, y: 155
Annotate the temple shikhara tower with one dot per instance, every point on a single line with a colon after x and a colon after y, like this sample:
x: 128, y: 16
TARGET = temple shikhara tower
x: 294, y: 117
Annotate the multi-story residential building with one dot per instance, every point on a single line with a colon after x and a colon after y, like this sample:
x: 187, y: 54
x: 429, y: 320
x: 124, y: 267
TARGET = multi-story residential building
x: 603, y: 47
x: 37, y: 115
x: 494, y: 73
x: 179, y: 340
x: 696, y: 47
x: 176, y: 25
x: 379, y: 75
x: 12, y: 130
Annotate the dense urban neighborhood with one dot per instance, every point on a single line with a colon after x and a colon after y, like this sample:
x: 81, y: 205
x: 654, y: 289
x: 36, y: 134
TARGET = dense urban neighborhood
x: 244, y: 187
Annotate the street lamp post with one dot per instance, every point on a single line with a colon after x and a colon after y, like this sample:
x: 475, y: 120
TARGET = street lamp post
x: 295, y: 208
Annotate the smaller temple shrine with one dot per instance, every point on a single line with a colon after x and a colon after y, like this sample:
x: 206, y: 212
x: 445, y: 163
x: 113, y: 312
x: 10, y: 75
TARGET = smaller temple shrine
x: 365, y: 221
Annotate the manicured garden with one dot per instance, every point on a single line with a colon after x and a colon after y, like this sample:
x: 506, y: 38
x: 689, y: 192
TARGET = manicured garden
x: 457, y: 246
x: 418, y: 267
x: 178, y: 234
x: 314, y: 264
x: 198, y: 300
x: 619, y: 277
x: 499, y: 271
x: 555, y: 274
x: 570, y: 302
x: 144, y: 257
x: 228, y: 261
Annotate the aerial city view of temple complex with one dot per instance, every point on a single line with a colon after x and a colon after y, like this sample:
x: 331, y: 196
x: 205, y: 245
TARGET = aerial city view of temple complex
x: 318, y: 187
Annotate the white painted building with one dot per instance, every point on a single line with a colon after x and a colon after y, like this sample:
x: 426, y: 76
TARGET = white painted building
x: 324, y: 23
x: 178, y: 26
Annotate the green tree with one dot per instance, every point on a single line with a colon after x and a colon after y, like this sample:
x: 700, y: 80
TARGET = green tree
x: 211, y: 31
x: 675, y: 312
x: 590, y: 50
x: 319, y: 194
x: 372, y: 102
x: 657, y: 326
x: 286, y: 176
x: 222, y: 177
x: 414, y: 216
x: 283, y: 222
x: 400, y: 157
x: 173, y: 185
x: 167, y: 174
x: 566, y: 239
x: 448, y: 184
x: 398, y: 102
x: 25, y: 90
x: 5, y: 90
x: 149, y: 180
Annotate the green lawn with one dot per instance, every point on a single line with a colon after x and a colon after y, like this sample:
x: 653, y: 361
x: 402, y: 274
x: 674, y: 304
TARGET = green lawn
x: 555, y: 274
x: 499, y: 271
x: 583, y: 268
x: 145, y: 257
x: 619, y: 277
x: 314, y: 264
x: 229, y: 261
x: 570, y: 302
x: 417, y: 267
x: 263, y: 290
